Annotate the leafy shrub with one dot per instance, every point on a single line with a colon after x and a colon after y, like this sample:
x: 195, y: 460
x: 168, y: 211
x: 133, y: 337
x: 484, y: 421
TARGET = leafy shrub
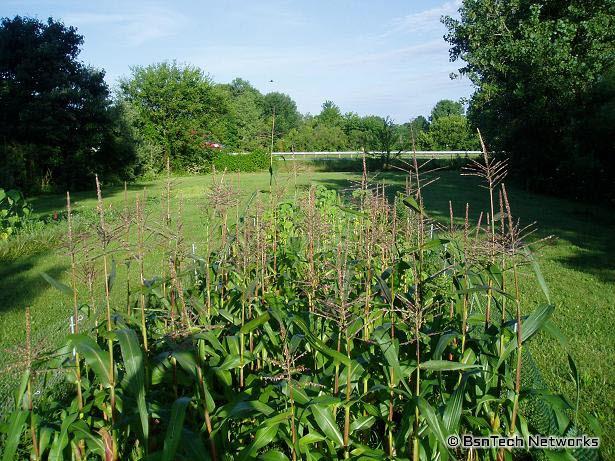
x: 251, y: 162
x: 14, y: 210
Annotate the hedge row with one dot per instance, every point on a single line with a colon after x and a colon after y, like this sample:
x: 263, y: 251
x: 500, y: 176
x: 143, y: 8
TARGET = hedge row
x: 253, y: 161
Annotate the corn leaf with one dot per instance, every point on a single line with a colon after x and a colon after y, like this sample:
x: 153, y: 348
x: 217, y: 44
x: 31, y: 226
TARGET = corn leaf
x: 175, y: 428
x: 529, y: 327
x: 541, y: 280
x: 383, y: 339
x: 61, y: 440
x: 324, y: 419
x: 362, y: 423
x: 263, y: 437
x: 319, y: 345
x: 57, y: 285
x: 135, y: 374
x: 255, y: 323
x: 15, y: 427
x: 452, y: 411
x: 445, y: 365
x: 94, y: 356
x: 435, y: 424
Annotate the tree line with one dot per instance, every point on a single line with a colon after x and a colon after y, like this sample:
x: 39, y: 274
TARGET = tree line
x: 543, y: 73
x: 61, y: 124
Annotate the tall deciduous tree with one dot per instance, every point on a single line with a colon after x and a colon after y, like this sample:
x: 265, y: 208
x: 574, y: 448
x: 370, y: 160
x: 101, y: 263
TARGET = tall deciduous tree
x: 537, y: 66
x: 56, y: 119
x: 445, y: 108
x: 287, y: 116
x: 179, y: 109
x: 450, y: 132
x: 248, y: 123
x: 330, y: 115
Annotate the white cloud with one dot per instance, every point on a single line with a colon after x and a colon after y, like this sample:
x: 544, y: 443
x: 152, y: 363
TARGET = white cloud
x: 399, y: 54
x: 424, y: 21
x: 134, y: 28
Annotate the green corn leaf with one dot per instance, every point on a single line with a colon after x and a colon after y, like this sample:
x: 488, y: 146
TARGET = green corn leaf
x: 362, y: 423
x: 574, y: 373
x: 135, y: 374
x: 263, y: 437
x: 592, y: 423
x: 94, y: 356
x: 82, y: 432
x: 187, y: 361
x: 324, y: 419
x: 230, y: 317
x: 411, y: 203
x: 435, y: 424
x: 254, y: 323
x: 210, y: 403
x: 383, y: 339
x: 21, y: 390
x: 61, y: 440
x: 175, y: 428
x: 15, y: 426
x: 57, y: 285
x: 310, y: 438
x: 363, y: 452
x: 529, y: 326
x: 243, y: 408
x: 434, y: 243
x: 112, y: 275
x: 541, y: 280
x: 231, y: 362
x: 299, y: 393
x: 277, y: 419
x: 274, y: 455
x: 195, y: 447
x: 351, y: 211
x: 444, y: 340
x: 452, y: 411
x: 445, y: 365
x: 557, y: 334
x: 44, y: 438
x: 319, y: 345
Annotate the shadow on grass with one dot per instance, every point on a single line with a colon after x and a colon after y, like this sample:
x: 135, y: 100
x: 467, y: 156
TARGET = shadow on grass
x: 46, y: 204
x: 587, y: 228
x: 18, y: 287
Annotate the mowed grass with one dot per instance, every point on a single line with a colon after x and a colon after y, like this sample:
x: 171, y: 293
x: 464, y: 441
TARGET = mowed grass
x: 578, y: 266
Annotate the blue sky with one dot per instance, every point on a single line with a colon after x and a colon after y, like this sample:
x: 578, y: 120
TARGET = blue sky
x: 384, y: 58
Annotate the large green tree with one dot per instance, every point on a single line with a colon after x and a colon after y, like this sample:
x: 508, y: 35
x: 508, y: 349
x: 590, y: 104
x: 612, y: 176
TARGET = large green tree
x: 449, y: 132
x: 178, y: 109
x: 57, y: 124
x: 330, y: 115
x: 541, y: 70
x: 419, y: 124
x: 248, y: 128
x: 445, y: 108
x: 287, y: 116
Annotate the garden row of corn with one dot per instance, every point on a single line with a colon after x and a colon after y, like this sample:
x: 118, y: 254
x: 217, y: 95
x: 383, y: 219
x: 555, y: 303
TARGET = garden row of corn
x: 310, y: 327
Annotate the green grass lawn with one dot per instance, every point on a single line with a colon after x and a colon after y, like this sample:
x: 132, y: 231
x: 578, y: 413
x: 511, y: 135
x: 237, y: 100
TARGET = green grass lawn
x: 579, y: 267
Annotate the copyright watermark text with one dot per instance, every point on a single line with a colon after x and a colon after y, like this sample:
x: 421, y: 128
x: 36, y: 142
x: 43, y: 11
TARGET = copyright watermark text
x: 518, y: 442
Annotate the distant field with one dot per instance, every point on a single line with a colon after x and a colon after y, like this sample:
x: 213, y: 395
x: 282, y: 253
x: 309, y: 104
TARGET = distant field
x: 579, y: 267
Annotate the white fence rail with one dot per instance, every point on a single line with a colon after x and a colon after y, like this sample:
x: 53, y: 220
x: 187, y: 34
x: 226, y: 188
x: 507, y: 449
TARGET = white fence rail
x: 355, y: 154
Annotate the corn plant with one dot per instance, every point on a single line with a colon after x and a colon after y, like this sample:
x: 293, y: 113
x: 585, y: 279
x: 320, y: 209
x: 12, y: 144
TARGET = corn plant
x: 312, y: 327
